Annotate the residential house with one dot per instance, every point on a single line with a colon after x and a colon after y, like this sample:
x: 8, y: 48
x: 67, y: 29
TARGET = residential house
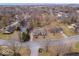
x: 39, y: 32
x: 55, y: 30
x: 9, y: 30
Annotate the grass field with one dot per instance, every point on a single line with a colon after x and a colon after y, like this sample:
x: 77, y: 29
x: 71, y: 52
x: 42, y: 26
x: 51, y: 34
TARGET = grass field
x: 4, y: 36
x: 76, y: 47
x: 8, y: 36
x: 67, y: 31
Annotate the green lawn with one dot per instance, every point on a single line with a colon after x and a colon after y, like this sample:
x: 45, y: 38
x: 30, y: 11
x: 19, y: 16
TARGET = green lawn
x: 77, y: 45
x: 4, y: 36
x: 67, y: 31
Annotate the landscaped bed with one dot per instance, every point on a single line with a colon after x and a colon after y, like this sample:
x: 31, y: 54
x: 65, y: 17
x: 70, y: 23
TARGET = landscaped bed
x: 8, y: 51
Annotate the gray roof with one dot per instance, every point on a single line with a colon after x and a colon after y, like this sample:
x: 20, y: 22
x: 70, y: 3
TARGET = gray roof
x: 55, y: 30
x: 39, y: 31
x: 10, y: 29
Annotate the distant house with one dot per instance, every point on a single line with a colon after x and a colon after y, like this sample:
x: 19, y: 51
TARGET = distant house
x: 62, y: 15
x: 22, y: 23
x: 26, y: 18
x: 59, y: 14
x: 76, y: 27
x: 68, y: 18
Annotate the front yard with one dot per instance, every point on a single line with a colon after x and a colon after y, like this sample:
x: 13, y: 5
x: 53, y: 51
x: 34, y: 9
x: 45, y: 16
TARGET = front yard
x: 8, y: 51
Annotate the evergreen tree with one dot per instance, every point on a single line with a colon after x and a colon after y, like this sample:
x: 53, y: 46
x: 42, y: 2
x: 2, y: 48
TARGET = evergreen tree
x: 25, y: 36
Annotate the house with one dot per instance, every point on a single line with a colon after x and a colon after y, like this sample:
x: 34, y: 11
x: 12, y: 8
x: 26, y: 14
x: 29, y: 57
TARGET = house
x: 39, y: 32
x: 62, y: 15
x: 9, y: 30
x: 55, y: 30
x: 75, y: 27
x: 59, y: 14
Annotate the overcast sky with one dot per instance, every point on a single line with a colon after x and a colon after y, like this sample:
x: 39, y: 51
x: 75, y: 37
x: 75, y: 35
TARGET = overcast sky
x: 39, y: 1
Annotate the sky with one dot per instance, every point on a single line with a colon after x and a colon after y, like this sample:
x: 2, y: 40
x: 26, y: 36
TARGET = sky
x: 40, y: 1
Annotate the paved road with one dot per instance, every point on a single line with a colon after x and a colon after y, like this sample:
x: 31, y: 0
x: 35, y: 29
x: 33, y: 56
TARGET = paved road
x: 65, y: 36
x: 35, y: 45
x: 34, y: 49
